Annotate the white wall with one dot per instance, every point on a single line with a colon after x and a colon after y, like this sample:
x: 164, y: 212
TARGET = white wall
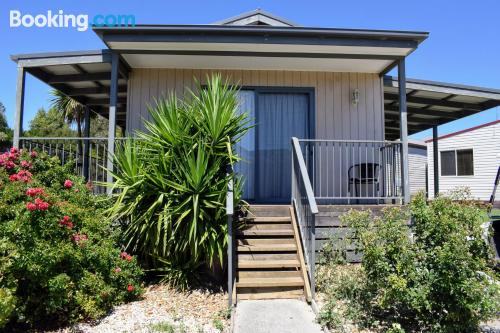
x: 485, y: 143
x: 417, y: 163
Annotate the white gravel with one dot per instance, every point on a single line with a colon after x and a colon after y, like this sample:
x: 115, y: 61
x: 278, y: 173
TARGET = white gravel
x: 180, y: 312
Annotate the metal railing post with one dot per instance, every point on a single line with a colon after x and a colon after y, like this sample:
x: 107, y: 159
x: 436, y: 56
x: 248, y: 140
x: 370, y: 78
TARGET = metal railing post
x: 86, y: 146
x: 313, y: 256
x: 230, y: 241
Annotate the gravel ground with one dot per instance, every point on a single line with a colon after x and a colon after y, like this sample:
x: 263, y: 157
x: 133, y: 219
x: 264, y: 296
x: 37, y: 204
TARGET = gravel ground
x: 164, y: 310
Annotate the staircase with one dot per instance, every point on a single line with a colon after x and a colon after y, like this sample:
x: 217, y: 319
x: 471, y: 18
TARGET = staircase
x: 269, y: 256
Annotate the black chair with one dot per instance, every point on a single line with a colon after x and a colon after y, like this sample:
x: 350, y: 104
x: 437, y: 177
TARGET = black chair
x: 364, y: 174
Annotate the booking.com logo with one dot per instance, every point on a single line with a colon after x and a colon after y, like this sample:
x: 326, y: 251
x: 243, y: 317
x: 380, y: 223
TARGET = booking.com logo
x: 61, y: 20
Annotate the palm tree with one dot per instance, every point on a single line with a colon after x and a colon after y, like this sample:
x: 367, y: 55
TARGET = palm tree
x: 72, y: 111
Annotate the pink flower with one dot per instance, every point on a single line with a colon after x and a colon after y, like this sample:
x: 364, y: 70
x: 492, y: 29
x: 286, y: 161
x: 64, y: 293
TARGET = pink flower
x: 33, y: 154
x: 31, y: 206
x: 118, y: 270
x: 14, y: 150
x: 79, y: 239
x: 66, y: 222
x: 130, y: 288
x: 22, y: 175
x: 26, y: 164
x: 14, y: 177
x: 32, y: 192
x: 7, y: 160
x: 126, y: 256
x: 41, y: 205
x: 68, y: 183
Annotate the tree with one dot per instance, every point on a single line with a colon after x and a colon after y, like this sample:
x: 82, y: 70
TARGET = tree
x: 72, y: 111
x: 3, y: 118
x: 49, y: 123
x: 5, y: 131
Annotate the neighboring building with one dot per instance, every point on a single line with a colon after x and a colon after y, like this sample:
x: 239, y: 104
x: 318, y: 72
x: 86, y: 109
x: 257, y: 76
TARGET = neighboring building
x: 468, y: 158
x: 417, y: 162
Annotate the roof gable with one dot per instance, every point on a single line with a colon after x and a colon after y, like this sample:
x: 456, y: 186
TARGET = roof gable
x: 257, y: 17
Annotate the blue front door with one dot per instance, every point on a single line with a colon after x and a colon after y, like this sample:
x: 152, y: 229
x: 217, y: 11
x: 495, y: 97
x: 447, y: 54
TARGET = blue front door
x: 266, y: 150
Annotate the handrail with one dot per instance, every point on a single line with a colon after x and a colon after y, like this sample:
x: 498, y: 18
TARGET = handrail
x: 230, y: 241
x: 304, y: 204
x: 305, y: 176
x: 349, y: 141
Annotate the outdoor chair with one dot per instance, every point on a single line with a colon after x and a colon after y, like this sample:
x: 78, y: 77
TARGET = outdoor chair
x: 364, y: 174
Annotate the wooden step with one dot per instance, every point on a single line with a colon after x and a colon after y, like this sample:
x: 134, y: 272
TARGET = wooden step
x: 268, y: 219
x: 267, y: 226
x: 282, y: 263
x: 270, y: 293
x: 269, y: 210
x: 267, y: 247
x: 269, y: 274
x: 270, y: 282
x: 265, y: 241
x: 266, y: 232
x: 267, y: 256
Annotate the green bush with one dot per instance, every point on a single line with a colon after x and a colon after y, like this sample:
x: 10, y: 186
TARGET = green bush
x: 435, y: 276
x: 172, y: 183
x: 59, y: 257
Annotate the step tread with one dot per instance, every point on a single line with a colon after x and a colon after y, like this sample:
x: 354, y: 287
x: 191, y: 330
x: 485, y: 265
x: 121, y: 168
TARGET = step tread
x: 266, y: 232
x: 279, y: 263
x: 268, y: 219
x: 265, y: 241
x: 270, y: 282
x: 269, y: 274
x: 270, y: 293
x: 267, y: 226
x: 267, y: 247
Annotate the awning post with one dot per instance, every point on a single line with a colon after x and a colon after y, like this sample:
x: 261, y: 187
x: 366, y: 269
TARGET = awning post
x: 112, y: 116
x: 18, y: 122
x: 435, y: 159
x: 403, y: 129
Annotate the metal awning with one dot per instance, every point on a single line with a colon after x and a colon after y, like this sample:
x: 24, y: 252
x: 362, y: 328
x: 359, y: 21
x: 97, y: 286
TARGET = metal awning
x: 83, y: 75
x: 432, y: 103
x: 260, y: 47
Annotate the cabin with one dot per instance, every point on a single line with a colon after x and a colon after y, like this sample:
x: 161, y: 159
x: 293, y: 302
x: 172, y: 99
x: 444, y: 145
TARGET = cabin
x: 469, y: 159
x: 417, y: 167
x: 331, y: 126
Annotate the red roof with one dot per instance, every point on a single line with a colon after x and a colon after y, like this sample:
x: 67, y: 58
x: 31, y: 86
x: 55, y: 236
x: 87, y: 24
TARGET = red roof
x: 466, y: 130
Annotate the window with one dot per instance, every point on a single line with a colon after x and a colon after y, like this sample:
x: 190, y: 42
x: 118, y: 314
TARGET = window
x: 457, y: 163
x: 448, y: 165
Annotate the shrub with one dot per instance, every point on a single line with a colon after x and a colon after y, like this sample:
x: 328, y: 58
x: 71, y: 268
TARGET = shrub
x: 435, y: 276
x: 59, y: 261
x: 172, y: 182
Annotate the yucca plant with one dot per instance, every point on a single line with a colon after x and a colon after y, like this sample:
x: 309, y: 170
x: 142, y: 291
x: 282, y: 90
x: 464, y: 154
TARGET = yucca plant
x: 171, y: 182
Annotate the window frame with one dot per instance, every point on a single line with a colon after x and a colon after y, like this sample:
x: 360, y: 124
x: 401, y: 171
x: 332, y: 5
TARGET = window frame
x: 456, y: 162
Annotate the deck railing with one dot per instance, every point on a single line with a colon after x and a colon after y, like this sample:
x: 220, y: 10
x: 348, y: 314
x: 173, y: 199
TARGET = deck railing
x: 305, y: 208
x: 354, y: 171
x: 89, y: 154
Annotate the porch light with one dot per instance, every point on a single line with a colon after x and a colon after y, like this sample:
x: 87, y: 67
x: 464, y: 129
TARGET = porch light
x: 355, y: 97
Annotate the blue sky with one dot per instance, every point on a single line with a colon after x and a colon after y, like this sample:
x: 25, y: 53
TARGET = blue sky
x: 463, y: 47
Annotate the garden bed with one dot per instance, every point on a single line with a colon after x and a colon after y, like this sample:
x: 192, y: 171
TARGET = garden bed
x: 163, y: 309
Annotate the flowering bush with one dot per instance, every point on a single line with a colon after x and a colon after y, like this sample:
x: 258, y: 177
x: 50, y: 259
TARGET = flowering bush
x: 59, y: 258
